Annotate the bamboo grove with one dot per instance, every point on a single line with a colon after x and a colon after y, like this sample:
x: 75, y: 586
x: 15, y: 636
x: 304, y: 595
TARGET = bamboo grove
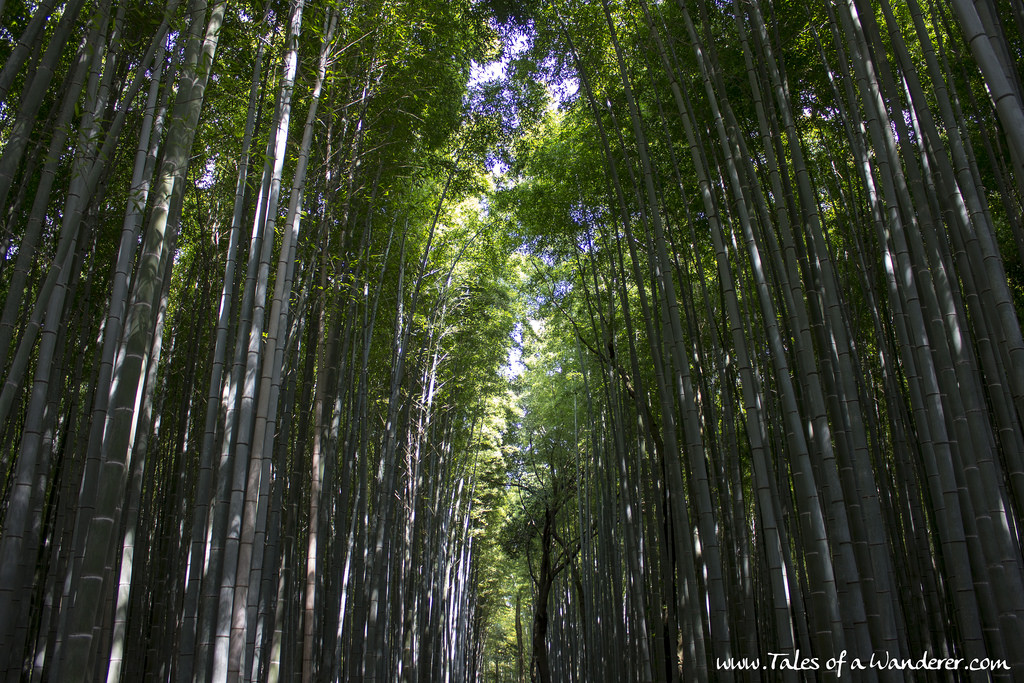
x: 241, y: 250
x: 264, y: 263
x: 786, y: 242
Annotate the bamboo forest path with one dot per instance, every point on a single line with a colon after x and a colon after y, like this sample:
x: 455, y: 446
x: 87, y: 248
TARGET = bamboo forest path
x: 508, y: 340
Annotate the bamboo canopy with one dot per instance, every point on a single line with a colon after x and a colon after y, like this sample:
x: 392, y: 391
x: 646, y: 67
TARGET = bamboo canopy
x: 508, y: 340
